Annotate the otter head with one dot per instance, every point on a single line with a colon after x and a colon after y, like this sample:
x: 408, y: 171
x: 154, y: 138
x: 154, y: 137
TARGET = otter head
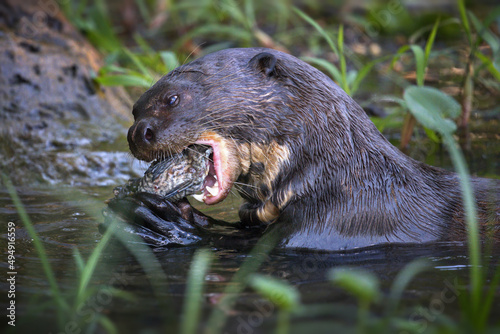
x: 242, y: 103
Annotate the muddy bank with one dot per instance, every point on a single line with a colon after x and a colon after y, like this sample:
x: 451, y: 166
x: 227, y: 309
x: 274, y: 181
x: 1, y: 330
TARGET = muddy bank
x: 56, y: 125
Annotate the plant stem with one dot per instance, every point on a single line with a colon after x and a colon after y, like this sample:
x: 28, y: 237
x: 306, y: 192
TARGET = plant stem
x: 283, y: 326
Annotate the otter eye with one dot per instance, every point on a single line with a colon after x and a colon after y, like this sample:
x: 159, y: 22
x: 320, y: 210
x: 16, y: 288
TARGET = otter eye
x: 173, y: 100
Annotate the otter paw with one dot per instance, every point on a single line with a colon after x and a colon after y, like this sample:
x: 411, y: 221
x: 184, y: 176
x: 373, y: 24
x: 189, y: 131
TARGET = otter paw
x: 157, y: 221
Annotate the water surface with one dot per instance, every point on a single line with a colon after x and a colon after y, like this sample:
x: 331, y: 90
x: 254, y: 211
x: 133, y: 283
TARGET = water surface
x: 63, y: 219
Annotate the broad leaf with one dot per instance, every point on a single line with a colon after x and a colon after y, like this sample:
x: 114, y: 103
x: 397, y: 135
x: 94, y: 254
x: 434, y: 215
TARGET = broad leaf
x: 432, y: 108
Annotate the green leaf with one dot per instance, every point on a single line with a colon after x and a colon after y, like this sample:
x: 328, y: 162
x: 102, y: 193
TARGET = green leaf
x: 432, y: 108
x: 280, y: 293
x: 359, y: 282
x: 169, y: 59
x: 104, y: 70
x: 419, y: 63
x: 124, y: 80
x: 349, y: 80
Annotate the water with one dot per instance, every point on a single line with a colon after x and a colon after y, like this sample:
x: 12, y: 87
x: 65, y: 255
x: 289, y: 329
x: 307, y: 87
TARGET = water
x: 64, y: 218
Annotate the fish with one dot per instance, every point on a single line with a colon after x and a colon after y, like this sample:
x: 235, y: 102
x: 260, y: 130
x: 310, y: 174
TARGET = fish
x: 174, y: 178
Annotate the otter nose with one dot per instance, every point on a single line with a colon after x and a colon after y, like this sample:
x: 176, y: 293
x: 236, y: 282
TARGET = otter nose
x: 142, y: 133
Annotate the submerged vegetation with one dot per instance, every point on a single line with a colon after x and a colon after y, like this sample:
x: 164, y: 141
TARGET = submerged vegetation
x: 164, y: 34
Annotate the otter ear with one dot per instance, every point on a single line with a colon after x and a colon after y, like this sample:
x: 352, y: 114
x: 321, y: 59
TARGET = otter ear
x: 264, y: 62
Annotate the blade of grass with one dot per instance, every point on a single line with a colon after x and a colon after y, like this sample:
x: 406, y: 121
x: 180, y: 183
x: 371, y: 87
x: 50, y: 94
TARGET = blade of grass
x: 399, y: 53
x: 145, y: 47
x: 471, y: 215
x: 416, y: 35
x: 143, y: 9
x: 485, y: 34
x: 91, y: 265
x: 234, y: 11
x: 433, y: 109
x: 242, y: 35
x: 240, y: 280
x: 138, y: 63
x: 40, y: 249
x: 489, y: 298
x: 318, y: 28
x: 363, y: 72
x: 430, y: 41
x: 193, y: 297
x: 331, y: 68
x: 465, y: 21
x: 80, y: 263
x: 343, y: 65
x: 489, y: 65
x: 141, y: 252
x: 152, y: 268
x: 250, y: 14
x: 108, y: 325
x: 401, y: 281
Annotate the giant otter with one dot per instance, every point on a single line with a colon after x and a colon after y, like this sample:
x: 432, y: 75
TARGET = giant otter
x: 308, y: 162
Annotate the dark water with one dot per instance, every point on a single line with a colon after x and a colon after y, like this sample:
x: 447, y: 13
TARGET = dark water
x: 64, y: 219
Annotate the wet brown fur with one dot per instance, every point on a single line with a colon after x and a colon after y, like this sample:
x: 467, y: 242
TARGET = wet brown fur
x: 309, y: 161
